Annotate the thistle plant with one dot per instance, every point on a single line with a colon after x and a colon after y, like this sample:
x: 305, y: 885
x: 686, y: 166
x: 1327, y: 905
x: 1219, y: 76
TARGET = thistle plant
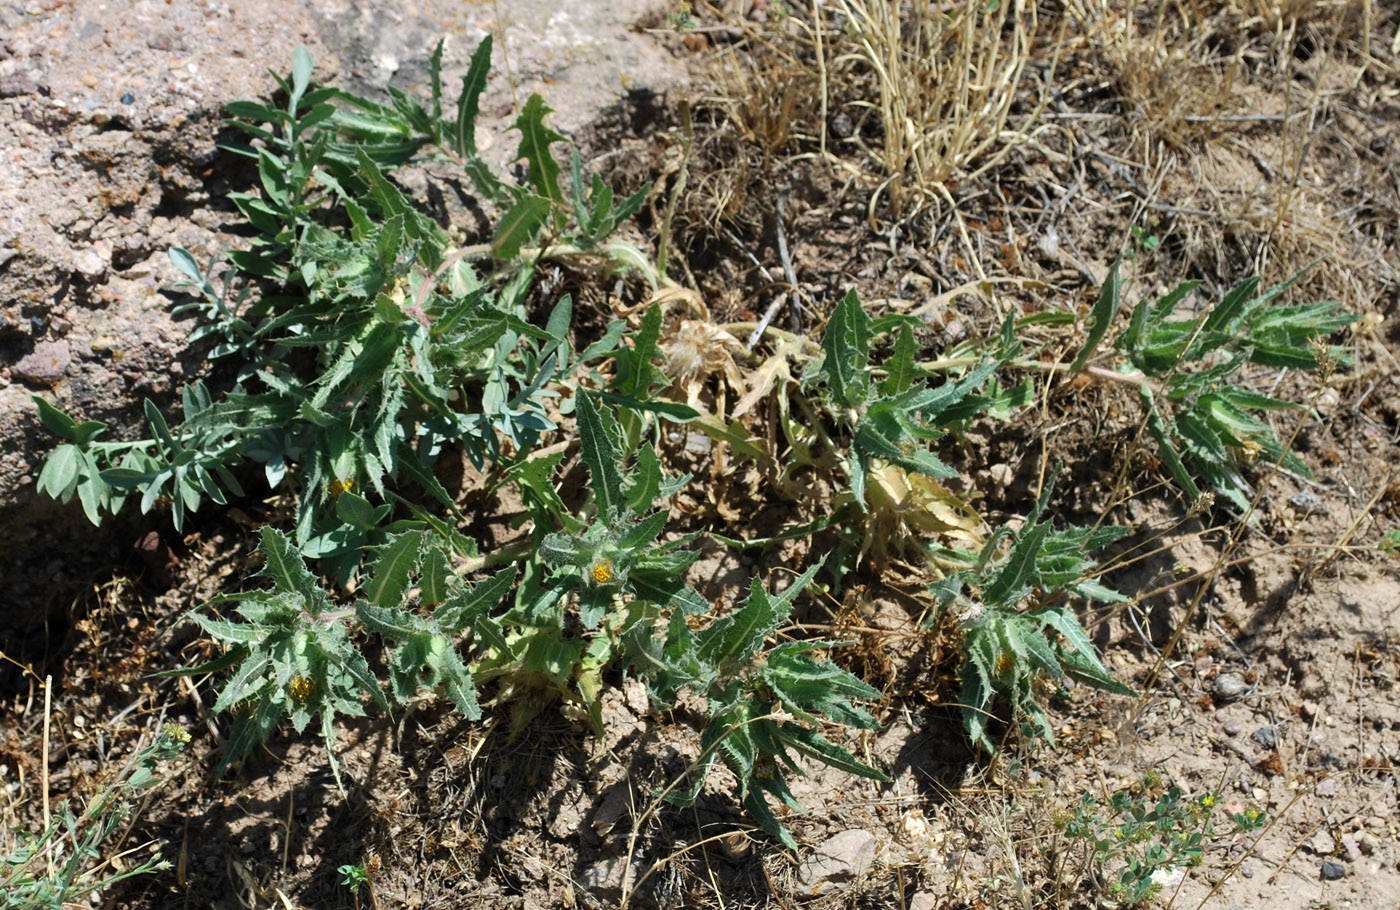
x: 1015, y: 612
x: 1188, y: 369
x: 368, y: 344
x: 385, y: 345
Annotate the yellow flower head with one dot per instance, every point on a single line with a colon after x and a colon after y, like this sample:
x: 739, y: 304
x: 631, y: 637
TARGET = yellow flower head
x: 176, y: 732
x: 301, y: 688
x: 602, y: 571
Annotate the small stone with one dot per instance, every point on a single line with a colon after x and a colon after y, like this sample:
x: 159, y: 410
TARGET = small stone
x: 1332, y: 871
x: 1232, y: 727
x: 1229, y: 686
x: 89, y: 264
x: 1351, y: 849
x: 1327, y: 787
x: 1247, y: 870
x: 46, y: 364
x: 89, y: 80
x: 1266, y: 736
x: 1368, y: 843
x: 923, y: 901
x: 848, y: 855
x: 1375, y: 821
x: 1002, y: 475
x: 605, y: 877
x: 1307, y: 710
x: 1322, y: 844
x: 1308, y: 502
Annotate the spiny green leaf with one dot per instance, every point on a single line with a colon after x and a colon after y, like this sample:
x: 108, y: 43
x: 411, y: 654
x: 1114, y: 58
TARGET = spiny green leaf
x: 397, y: 560
x: 645, y: 482
x: 635, y: 372
x: 644, y: 532
x: 1081, y: 660
x: 1105, y: 308
x: 464, y: 132
x: 811, y: 743
x: 535, y: 139
x: 434, y: 580
x: 846, y: 344
x: 600, y: 454
x: 285, y: 567
x: 246, y: 682
x: 1020, y: 566
x: 735, y: 638
x: 462, y: 610
x: 520, y: 225
x: 388, y: 622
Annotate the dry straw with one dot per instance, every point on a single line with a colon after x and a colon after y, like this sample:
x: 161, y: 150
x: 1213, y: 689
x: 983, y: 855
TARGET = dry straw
x: 946, y: 78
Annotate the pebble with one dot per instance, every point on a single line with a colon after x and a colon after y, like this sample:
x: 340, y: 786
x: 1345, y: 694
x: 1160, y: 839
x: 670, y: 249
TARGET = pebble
x: 1308, y: 710
x: 89, y: 263
x: 1327, y: 787
x: 1368, y: 843
x: 1229, y: 686
x: 1232, y: 727
x: 1266, y: 736
x: 849, y: 854
x: 1247, y: 870
x: 605, y: 877
x: 1322, y: 844
x: 1332, y: 871
x: 46, y: 364
x: 1351, y: 849
x: 1308, y: 502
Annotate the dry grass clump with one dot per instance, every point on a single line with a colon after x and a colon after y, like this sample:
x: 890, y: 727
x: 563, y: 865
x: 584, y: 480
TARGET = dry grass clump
x: 943, y: 79
x: 1184, y: 69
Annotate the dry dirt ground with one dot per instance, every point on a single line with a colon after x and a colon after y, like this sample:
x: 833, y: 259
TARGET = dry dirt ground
x: 1265, y: 653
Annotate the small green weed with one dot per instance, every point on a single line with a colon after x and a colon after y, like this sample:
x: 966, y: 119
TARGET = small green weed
x: 355, y: 876
x: 1137, y: 835
x: 65, y: 862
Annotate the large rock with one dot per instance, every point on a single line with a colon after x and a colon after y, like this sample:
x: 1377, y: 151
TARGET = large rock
x: 109, y: 115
